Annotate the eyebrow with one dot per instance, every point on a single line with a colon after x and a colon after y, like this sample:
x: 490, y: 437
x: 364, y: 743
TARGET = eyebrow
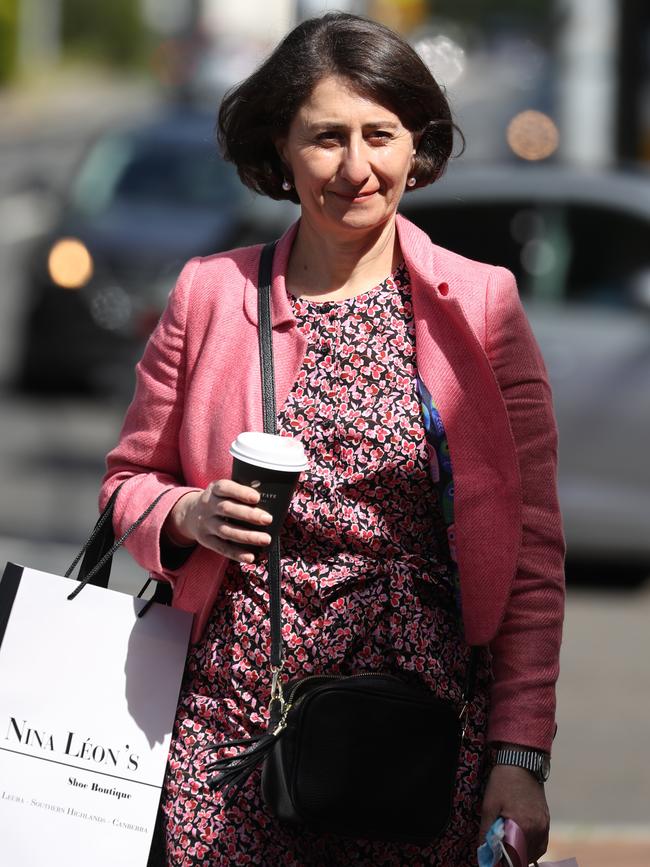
x: 333, y: 124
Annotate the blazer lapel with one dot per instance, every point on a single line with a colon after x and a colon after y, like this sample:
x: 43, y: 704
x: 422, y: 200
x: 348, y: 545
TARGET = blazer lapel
x: 280, y: 305
x: 487, y: 503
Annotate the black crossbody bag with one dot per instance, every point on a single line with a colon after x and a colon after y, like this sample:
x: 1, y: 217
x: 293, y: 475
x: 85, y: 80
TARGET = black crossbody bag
x: 367, y: 755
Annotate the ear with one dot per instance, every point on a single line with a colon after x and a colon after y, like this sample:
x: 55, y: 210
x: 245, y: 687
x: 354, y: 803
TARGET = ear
x: 281, y: 148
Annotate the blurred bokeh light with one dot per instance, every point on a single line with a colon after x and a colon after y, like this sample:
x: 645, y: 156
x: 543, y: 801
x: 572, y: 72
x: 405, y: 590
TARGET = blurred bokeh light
x: 444, y: 57
x: 70, y: 264
x: 532, y: 135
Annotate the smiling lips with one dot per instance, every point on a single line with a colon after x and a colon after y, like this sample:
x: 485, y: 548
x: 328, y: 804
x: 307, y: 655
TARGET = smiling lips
x: 355, y: 197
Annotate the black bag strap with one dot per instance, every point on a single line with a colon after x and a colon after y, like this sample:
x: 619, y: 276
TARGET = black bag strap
x: 101, y: 545
x: 265, y: 277
x: 270, y: 426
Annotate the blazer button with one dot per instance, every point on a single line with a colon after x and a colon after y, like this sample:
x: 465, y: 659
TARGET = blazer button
x: 443, y: 288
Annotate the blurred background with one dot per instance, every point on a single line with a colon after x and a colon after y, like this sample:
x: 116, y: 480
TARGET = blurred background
x: 110, y: 180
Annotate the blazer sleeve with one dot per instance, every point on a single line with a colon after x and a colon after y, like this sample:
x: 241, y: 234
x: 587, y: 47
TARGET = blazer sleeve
x: 147, y: 455
x: 525, y: 651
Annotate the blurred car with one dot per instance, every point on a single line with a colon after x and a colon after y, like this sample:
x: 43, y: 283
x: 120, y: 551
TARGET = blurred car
x: 144, y: 200
x: 579, y: 245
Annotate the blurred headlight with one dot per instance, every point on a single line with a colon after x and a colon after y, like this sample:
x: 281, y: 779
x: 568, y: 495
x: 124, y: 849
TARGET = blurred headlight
x: 70, y: 263
x: 533, y: 135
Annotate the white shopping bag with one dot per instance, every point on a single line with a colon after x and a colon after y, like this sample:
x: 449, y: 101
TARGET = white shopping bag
x: 88, y: 694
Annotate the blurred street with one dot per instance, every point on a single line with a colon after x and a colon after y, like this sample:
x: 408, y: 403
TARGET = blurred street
x: 51, y: 463
x: 51, y: 450
x: 51, y: 456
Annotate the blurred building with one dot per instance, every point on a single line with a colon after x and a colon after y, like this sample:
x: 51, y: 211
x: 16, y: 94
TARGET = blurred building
x: 633, y: 91
x: 603, y: 81
x: 586, y: 74
x: 585, y: 64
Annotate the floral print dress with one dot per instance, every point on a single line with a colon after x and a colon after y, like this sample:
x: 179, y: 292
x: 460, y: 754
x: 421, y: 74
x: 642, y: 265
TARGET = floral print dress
x: 368, y: 584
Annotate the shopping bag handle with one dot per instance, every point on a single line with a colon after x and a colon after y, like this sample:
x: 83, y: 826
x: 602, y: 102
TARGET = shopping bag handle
x: 98, y: 550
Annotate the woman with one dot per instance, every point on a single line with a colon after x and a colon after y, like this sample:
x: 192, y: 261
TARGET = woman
x: 397, y: 362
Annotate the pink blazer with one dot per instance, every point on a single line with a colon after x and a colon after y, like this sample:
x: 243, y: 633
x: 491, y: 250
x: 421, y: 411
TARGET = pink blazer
x: 198, y: 386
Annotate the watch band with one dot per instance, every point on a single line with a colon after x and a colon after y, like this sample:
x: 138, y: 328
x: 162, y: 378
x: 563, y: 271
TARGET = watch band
x: 535, y: 761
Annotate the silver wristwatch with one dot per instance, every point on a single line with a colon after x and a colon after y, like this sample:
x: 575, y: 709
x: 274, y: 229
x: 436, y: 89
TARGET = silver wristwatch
x: 535, y: 761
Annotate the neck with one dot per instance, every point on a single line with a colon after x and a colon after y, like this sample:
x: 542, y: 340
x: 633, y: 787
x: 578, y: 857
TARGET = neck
x: 332, y: 268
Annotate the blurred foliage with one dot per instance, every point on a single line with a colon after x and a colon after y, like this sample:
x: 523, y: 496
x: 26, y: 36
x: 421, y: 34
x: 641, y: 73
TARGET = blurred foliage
x: 401, y: 15
x: 486, y: 18
x: 474, y: 10
x: 477, y: 12
x: 111, y: 32
x: 8, y: 31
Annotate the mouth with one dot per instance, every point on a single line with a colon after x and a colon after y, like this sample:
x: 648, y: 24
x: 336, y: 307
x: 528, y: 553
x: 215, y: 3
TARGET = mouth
x: 355, y: 197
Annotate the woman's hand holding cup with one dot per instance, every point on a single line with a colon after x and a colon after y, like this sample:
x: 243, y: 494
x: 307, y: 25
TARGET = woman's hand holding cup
x: 206, y: 517
x: 226, y: 517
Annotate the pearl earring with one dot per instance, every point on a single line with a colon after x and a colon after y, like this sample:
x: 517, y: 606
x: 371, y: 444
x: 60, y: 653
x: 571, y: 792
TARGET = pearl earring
x: 286, y: 185
x: 411, y: 182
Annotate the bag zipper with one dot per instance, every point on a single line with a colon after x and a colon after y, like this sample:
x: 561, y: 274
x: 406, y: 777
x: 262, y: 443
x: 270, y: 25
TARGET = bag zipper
x: 287, y: 703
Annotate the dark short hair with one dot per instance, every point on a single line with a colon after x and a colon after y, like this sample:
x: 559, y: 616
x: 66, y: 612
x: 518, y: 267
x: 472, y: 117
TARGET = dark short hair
x: 375, y: 60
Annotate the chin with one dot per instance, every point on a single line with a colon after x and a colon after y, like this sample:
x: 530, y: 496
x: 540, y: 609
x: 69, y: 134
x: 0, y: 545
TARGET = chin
x: 360, y: 222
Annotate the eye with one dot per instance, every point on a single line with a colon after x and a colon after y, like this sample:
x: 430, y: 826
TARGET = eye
x: 328, y: 137
x: 380, y: 135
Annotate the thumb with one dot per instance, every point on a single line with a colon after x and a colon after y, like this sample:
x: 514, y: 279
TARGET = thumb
x: 486, y: 824
x: 490, y: 812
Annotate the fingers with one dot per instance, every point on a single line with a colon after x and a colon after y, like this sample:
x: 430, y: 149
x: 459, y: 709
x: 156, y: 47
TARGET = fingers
x: 490, y: 812
x: 232, y: 552
x: 231, y: 510
x: 227, y: 489
x: 230, y: 541
x: 493, y: 804
x: 537, y: 839
x: 221, y: 503
x: 514, y: 794
x: 238, y: 535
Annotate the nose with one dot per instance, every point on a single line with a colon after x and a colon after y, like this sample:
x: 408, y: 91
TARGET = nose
x: 355, y: 164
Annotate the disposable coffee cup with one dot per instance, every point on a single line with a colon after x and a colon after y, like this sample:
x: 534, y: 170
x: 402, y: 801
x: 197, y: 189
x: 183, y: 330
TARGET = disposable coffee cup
x: 272, y: 465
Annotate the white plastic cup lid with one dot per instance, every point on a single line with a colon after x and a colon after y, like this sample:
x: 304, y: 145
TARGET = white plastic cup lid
x: 271, y: 452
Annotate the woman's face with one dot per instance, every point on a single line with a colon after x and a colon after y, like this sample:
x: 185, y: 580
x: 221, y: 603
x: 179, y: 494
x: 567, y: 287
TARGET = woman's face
x: 348, y: 157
